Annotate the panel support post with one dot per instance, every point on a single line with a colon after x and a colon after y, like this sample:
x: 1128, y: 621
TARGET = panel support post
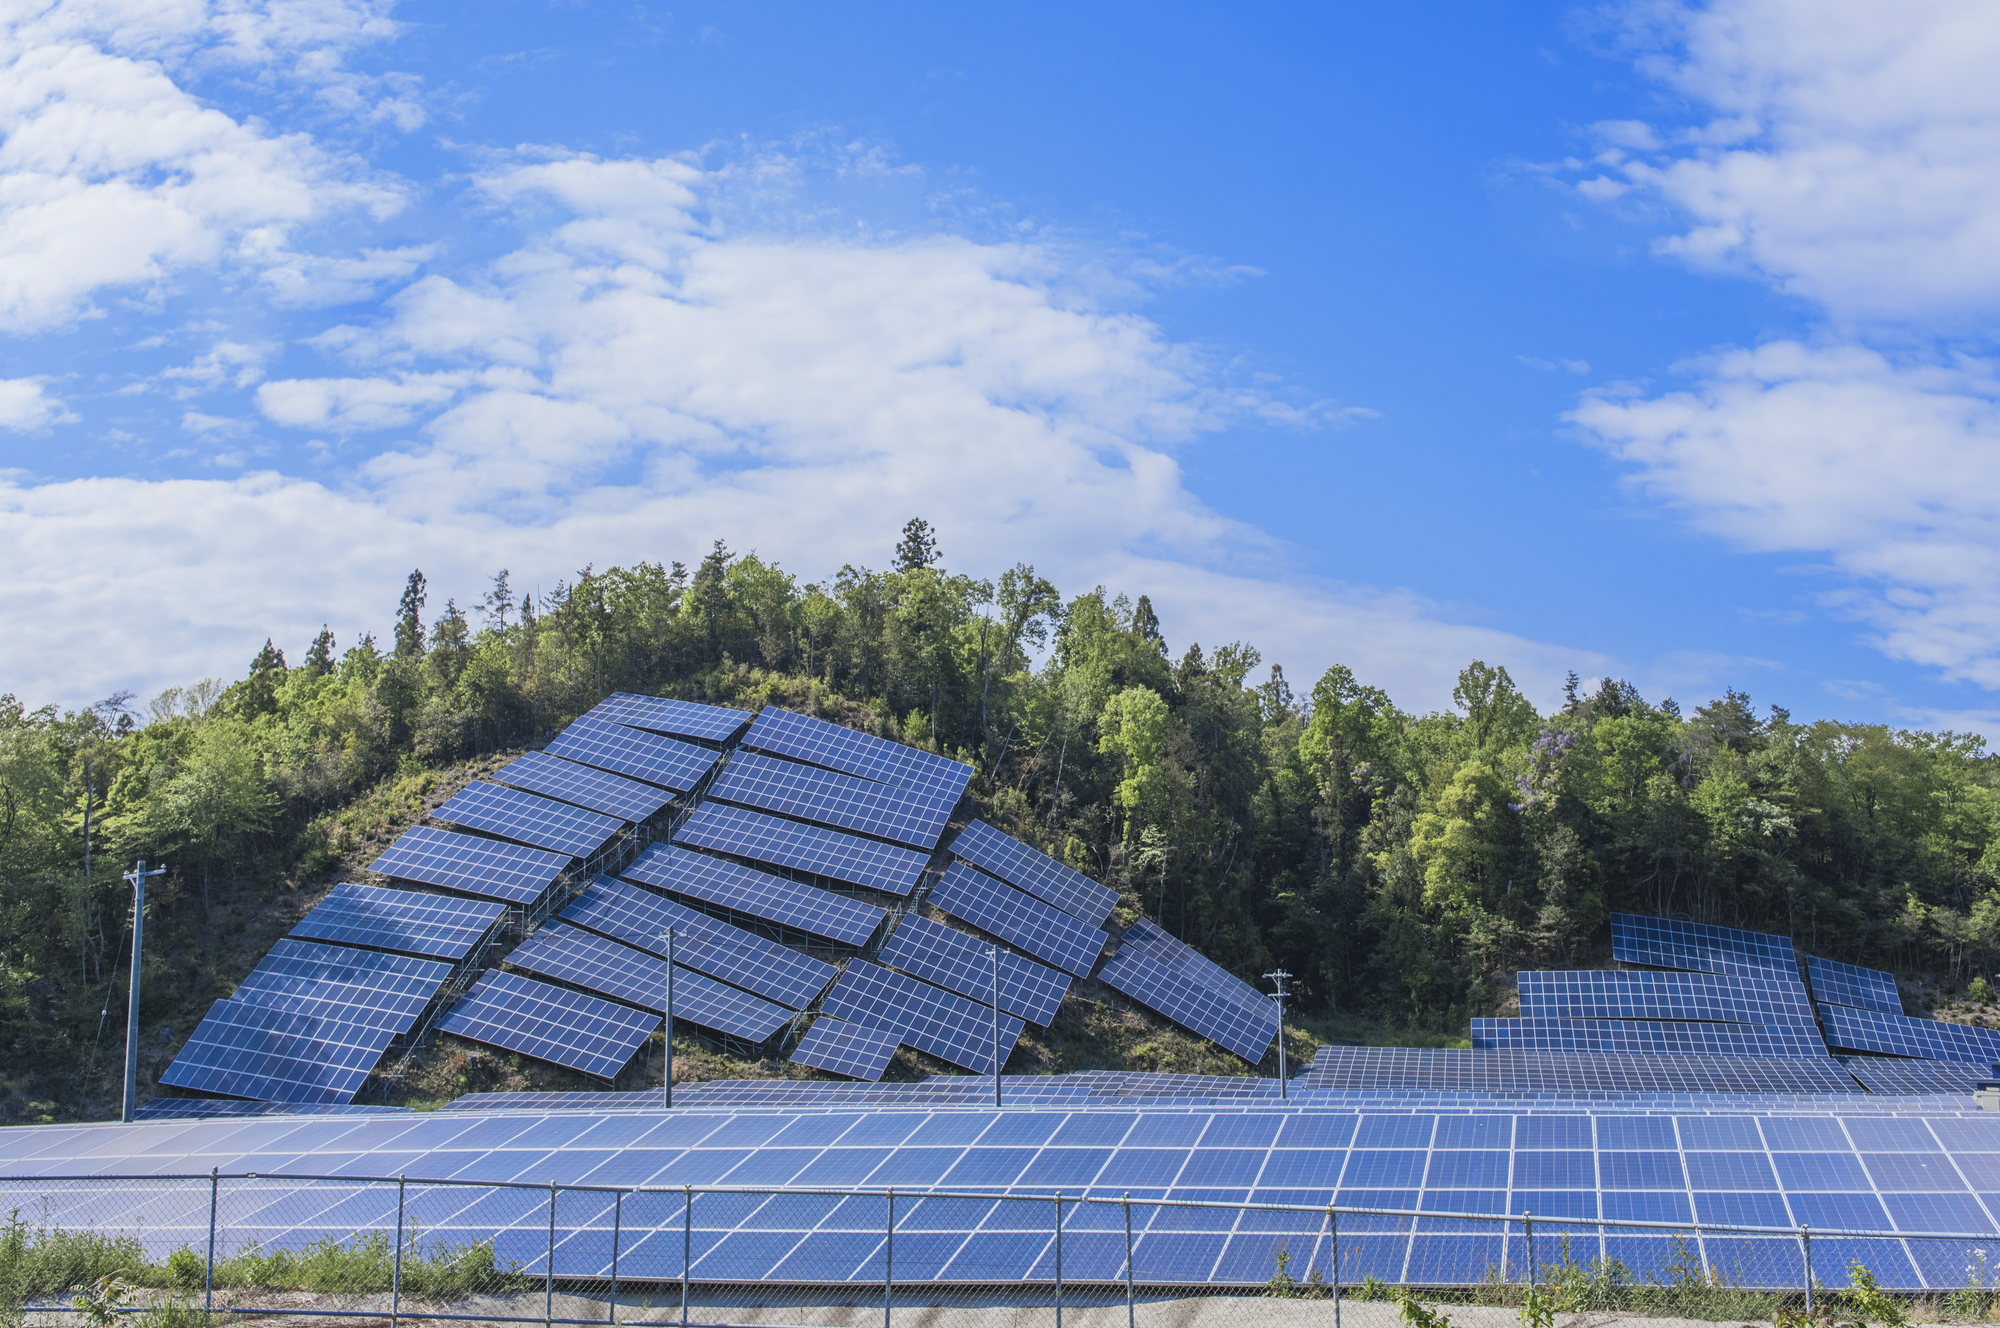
x: 1127, y: 1201
x: 214, y: 1201
x: 687, y: 1246
x: 1805, y: 1257
x: 549, y: 1282
x: 889, y: 1259
x: 617, y: 1227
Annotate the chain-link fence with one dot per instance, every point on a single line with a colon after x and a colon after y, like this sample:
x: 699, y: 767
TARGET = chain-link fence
x: 179, y: 1248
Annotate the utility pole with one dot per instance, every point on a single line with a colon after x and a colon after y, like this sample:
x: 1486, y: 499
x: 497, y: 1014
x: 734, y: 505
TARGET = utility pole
x: 89, y: 797
x: 996, y: 1025
x: 1284, y: 1084
x: 138, y: 877
x: 670, y: 1019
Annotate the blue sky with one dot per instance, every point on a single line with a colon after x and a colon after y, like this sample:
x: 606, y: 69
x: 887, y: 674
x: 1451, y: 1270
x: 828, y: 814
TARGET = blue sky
x: 1646, y: 340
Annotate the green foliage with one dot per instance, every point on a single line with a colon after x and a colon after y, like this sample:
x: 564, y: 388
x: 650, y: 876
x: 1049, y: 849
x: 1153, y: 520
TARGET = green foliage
x: 186, y: 1270
x: 1416, y: 1314
x: 38, y: 1262
x: 1281, y: 1284
x: 432, y: 1269
x: 1980, y: 991
x: 1869, y: 1302
x: 103, y: 1300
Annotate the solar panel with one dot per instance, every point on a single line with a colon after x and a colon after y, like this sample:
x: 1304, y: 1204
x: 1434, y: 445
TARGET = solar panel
x: 210, y: 1108
x: 1901, y: 1078
x: 928, y: 1018
x: 253, y: 1051
x: 1020, y: 919
x: 1850, y: 1029
x: 826, y: 797
x: 1036, y: 872
x: 672, y: 719
x: 528, y: 819
x: 585, y: 1033
x: 597, y: 790
x: 640, y: 918
x: 623, y: 973
x: 805, y: 848
x: 1649, y: 1035
x: 1666, y: 943
x: 855, y: 1050
x: 337, y: 982
x: 1835, y: 983
x: 1191, y: 966
x: 964, y: 964
x: 1645, y: 995
x: 1369, y: 1069
x: 470, y: 864
x: 784, y: 733
x: 385, y: 919
x: 1166, y: 990
x: 745, y: 890
x: 627, y: 751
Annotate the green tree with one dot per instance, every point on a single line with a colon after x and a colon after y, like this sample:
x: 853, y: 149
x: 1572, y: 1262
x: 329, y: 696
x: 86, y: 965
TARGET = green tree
x: 409, y: 618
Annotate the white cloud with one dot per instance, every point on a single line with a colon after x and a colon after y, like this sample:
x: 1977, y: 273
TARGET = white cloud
x: 26, y: 407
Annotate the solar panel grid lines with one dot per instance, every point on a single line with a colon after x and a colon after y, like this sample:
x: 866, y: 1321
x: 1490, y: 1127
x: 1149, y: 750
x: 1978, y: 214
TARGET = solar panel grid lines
x: 1668, y: 1036
x: 1835, y: 983
x: 1019, y: 919
x: 740, y: 889
x: 1159, y: 987
x: 957, y: 962
x: 584, y: 1033
x: 671, y: 719
x: 351, y: 986
x: 805, y: 848
x: 928, y: 1018
x: 1850, y: 1029
x: 858, y: 1051
x: 253, y: 1051
x: 470, y: 864
x: 1667, y: 943
x: 1365, y: 1069
x: 1029, y: 869
x: 528, y: 818
x: 624, y: 750
x: 609, y: 968
x: 1148, y: 936
x: 382, y: 918
x: 209, y: 1108
x: 587, y: 787
x: 1601, y: 994
x: 1880, y: 1074
x: 640, y: 918
x: 803, y: 738
x: 843, y: 802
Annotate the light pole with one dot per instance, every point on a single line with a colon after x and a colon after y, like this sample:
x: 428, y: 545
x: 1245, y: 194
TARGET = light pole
x: 1284, y: 1085
x: 670, y: 1018
x: 138, y: 877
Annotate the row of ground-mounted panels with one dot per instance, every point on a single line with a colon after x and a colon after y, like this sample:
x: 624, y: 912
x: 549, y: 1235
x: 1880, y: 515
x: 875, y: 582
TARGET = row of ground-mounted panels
x: 1603, y: 994
x: 1659, y: 1035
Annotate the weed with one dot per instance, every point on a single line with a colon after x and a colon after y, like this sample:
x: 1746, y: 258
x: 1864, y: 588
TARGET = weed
x: 1414, y: 1313
x: 1869, y: 1301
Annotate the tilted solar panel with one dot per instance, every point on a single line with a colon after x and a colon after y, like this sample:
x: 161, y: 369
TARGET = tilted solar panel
x: 610, y: 968
x: 1835, y: 983
x: 1666, y: 943
x: 253, y: 1051
x: 672, y: 719
x: 1901, y: 1078
x: 628, y: 751
x: 1167, y: 991
x: 586, y: 786
x: 345, y: 984
x: 1019, y: 919
x: 1190, y: 965
x: 785, y: 733
x: 1036, y: 872
x: 209, y: 1108
x: 805, y: 848
x: 385, y: 919
x: 1671, y: 1037
x: 1849, y: 1029
x: 855, y: 1050
x: 950, y: 959
x: 585, y: 1033
x: 640, y: 918
x: 1506, y: 1070
x: 470, y: 864
x: 529, y: 818
x: 826, y: 797
x: 756, y: 894
x: 1740, y: 999
x: 928, y: 1018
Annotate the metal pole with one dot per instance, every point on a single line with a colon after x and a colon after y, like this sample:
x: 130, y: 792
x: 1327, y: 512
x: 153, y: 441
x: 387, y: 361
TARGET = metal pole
x: 1534, y: 1274
x: 670, y: 1019
x: 687, y: 1246
x: 1333, y: 1232
x: 996, y: 1025
x: 396, y: 1278
x: 1059, y: 1285
x: 214, y: 1198
x: 1128, y: 1258
x: 1805, y: 1254
x: 617, y: 1224
x: 549, y: 1283
x: 1284, y: 1084
x: 889, y: 1261
x: 137, y: 876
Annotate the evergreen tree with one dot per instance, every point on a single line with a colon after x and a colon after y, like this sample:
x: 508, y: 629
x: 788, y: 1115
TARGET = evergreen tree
x: 918, y: 548
x: 409, y: 619
x: 319, y: 659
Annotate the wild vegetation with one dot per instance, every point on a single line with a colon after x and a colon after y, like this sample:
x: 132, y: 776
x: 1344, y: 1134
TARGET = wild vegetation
x: 1401, y: 866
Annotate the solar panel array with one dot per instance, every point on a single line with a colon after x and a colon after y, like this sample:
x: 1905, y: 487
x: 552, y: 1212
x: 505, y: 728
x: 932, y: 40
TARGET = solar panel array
x: 1836, y: 983
x: 609, y: 968
x: 672, y: 719
x: 1849, y: 1029
x: 1037, y: 873
x: 784, y: 733
x: 1505, y: 1070
x: 640, y: 919
x: 1605, y: 994
x: 344, y: 984
x: 550, y: 1023
x: 858, y: 1051
x: 1658, y: 1035
x: 253, y: 1051
x: 1166, y: 990
x: 1881, y: 1074
x: 470, y: 865
x: 756, y: 894
x: 402, y: 920
x: 904, y: 816
x: 529, y: 819
x: 628, y: 751
x: 805, y: 848
x: 1667, y: 943
x: 940, y: 1022
x: 210, y: 1108
x: 1019, y: 919
x: 950, y: 959
x: 597, y: 790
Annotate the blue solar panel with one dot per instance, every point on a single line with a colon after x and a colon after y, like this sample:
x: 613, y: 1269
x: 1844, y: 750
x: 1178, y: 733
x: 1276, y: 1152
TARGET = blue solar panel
x: 826, y: 797
x: 1844, y: 984
x: 1168, y: 990
x: 855, y: 1050
x: 253, y: 1051
x: 783, y: 733
x: 641, y: 918
x: 804, y: 848
x: 1700, y: 996
x: 627, y: 751
x: 1665, y: 943
x: 209, y: 1108
x: 1507, y: 1070
x: 403, y: 920
x: 345, y: 984
x: 998, y: 909
x: 1850, y: 1029
x: 964, y: 964
x: 1036, y: 872
x: 470, y: 865
x: 928, y: 1018
x: 672, y: 719
x: 619, y: 971
x: 597, y: 790
x: 740, y: 889
x: 1694, y: 1039
x: 1900, y: 1078
x: 566, y: 1028
x: 529, y: 819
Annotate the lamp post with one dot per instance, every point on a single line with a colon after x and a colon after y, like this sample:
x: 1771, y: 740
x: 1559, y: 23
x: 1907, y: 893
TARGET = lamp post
x: 138, y: 876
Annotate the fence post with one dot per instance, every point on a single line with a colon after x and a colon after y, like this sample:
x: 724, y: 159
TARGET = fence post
x: 687, y: 1246
x: 1805, y: 1256
x: 617, y: 1225
x: 1059, y: 1284
x: 1534, y: 1273
x: 1333, y: 1233
x: 1128, y: 1258
x: 396, y: 1276
x: 889, y: 1260
x: 214, y: 1196
x: 549, y: 1282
